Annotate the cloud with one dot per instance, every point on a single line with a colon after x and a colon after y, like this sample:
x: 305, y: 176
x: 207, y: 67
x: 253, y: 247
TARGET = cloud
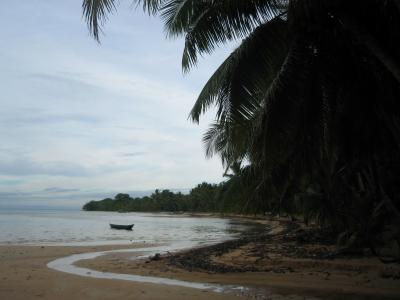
x: 132, y: 154
x: 63, y: 78
x: 79, y: 120
x: 11, y: 182
x: 31, y: 117
x: 26, y: 167
x: 59, y: 190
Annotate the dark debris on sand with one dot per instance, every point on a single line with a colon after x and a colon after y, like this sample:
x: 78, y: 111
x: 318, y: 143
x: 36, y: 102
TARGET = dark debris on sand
x: 293, y: 241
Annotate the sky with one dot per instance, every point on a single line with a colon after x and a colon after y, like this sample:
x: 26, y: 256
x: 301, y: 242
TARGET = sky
x: 81, y: 120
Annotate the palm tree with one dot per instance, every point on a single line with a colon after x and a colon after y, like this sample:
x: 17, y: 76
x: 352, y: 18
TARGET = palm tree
x: 308, y: 98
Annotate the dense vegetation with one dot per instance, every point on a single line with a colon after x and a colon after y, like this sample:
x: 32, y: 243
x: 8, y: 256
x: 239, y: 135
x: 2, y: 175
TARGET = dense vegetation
x: 201, y: 198
x: 205, y: 197
x: 306, y: 104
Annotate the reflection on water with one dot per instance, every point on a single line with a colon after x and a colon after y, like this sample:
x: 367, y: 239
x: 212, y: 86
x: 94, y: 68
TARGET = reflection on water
x: 92, y: 228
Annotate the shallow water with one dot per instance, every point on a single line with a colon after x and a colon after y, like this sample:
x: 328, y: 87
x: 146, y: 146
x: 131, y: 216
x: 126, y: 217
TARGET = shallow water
x: 66, y: 264
x: 172, y: 232
x: 57, y: 227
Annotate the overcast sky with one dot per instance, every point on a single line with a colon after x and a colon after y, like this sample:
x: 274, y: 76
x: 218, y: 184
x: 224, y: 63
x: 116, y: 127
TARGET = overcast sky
x: 81, y: 120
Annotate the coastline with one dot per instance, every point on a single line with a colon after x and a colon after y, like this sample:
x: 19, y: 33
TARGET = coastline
x: 281, y: 264
x: 24, y: 275
x: 276, y: 265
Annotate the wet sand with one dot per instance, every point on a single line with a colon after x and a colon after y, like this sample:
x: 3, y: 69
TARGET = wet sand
x: 288, y: 279
x: 277, y: 267
x: 24, y: 275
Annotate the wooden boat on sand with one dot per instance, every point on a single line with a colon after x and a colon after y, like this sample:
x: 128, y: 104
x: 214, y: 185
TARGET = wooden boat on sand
x: 126, y: 227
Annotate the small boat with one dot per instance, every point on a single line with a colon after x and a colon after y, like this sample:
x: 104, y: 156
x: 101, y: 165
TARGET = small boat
x: 126, y: 227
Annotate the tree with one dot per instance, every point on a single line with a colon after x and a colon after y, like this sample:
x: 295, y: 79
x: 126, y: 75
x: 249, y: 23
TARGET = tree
x: 308, y: 99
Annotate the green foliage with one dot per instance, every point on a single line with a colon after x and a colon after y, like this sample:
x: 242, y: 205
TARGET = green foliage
x: 202, y: 198
x: 307, y: 106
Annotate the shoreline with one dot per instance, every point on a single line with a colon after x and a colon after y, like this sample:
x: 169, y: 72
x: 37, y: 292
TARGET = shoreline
x: 24, y: 275
x: 275, y: 265
x: 285, y: 268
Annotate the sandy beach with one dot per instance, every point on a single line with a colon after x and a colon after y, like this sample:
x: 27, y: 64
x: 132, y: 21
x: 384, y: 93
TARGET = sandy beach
x: 24, y: 275
x: 273, y: 274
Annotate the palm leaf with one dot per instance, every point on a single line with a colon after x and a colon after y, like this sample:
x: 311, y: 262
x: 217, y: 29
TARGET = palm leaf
x: 96, y: 12
x: 287, y: 124
x: 177, y: 15
x: 207, y: 24
x: 229, y: 141
x: 239, y: 84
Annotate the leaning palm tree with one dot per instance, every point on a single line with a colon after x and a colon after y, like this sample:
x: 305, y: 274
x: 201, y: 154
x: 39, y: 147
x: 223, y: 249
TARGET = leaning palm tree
x: 311, y: 89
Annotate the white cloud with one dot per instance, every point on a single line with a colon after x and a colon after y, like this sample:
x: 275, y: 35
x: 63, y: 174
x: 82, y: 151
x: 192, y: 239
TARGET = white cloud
x: 77, y: 116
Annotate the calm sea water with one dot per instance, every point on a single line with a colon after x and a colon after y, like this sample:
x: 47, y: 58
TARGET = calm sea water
x: 92, y: 228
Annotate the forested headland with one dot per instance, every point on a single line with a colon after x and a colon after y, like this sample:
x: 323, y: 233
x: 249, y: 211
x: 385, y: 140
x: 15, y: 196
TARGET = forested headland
x: 205, y: 197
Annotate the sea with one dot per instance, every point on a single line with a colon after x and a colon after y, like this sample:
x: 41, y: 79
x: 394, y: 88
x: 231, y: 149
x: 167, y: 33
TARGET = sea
x: 73, y: 227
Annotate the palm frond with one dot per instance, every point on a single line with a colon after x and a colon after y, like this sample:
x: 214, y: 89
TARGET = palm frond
x: 276, y: 132
x: 206, y: 24
x: 229, y: 141
x: 239, y: 84
x: 177, y: 15
x: 215, y: 139
x: 96, y: 12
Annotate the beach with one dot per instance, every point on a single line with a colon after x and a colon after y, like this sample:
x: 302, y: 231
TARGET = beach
x: 200, y: 150
x: 279, y: 274
x: 30, y: 239
x: 24, y: 275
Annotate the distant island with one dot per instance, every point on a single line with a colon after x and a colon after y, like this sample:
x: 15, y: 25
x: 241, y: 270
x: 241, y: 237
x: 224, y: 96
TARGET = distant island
x: 205, y: 197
